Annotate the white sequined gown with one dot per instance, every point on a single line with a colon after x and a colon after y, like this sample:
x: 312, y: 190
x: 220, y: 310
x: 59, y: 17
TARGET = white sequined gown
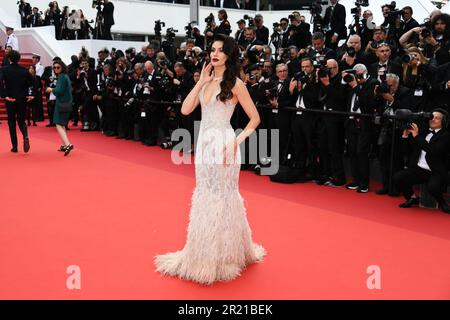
x: 219, y: 242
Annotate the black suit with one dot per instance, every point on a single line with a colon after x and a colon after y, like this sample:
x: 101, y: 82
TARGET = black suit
x: 240, y: 38
x: 360, y: 132
x: 402, y: 100
x: 437, y: 151
x: 14, y: 83
x: 391, y: 67
x: 304, y: 127
x: 108, y: 15
x: 335, y: 18
x: 262, y: 34
x: 331, y: 131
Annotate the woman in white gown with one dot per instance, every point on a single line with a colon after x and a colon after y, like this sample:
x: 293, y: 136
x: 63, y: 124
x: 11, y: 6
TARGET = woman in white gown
x: 219, y: 242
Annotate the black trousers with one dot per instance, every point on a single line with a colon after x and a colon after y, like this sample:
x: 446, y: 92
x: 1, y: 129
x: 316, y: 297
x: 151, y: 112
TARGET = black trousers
x: 107, y: 32
x: 50, y: 110
x: 359, y: 141
x: 304, y: 132
x: 16, y: 114
x: 405, y: 179
x: 384, y: 156
x: 331, y: 147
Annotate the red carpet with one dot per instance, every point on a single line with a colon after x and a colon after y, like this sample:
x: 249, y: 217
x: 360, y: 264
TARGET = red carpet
x: 112, y: 205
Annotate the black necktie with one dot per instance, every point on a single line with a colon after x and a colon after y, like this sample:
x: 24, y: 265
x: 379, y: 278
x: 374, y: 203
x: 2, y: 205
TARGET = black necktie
x: 432, y: 132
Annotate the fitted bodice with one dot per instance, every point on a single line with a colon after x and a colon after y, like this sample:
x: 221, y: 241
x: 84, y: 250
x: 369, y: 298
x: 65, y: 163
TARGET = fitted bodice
x: 215, y: 113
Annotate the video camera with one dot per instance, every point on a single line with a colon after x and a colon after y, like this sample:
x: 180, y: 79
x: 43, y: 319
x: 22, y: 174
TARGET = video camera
x: 320, y: 63
x: 97, y: 3
x: 251, y: 20
x: 158, y: 24
x: 301, y: 76
x: 406, y: 117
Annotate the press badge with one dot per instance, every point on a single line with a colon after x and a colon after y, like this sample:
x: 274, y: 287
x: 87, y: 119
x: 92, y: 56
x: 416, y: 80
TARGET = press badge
x: 143, y: 114
x: 418, y: 93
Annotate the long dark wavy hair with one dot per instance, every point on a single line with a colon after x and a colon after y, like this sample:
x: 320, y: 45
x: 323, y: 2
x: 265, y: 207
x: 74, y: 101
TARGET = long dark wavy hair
x: 231, y: 49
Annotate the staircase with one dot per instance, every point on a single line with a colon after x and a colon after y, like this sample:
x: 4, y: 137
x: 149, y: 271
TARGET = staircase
x: 25, y: 62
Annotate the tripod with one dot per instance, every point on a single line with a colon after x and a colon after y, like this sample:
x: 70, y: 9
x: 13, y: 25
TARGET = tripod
x: 98, y: 28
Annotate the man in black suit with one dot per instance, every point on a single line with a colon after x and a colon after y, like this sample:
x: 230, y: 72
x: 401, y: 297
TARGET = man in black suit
x: 279, y: 98
x: 305, y: 95
x: 391, y: 96
x: 408, y: 22
x: 15, y: 82
x: 385, y: 65
x: 262, y: 33
x: 360, y: 131
x: 335, y: 19
x: 428, y: 162
x: 240, y: 34
x: 108, y: 16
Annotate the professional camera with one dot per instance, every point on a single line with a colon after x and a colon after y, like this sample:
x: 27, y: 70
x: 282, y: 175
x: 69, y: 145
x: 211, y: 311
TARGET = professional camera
x: 272, y: 93
x: 188, y: 29
x: 209, y: 19
x: 383, y: 88
x: 171, y: 33
x: 425, y: 33
x: 320, y: 63
x: 158, y: 25
x: 406, y: 117
x: 350, y: 75
x: 301, y: 76
x: 97, y: 3
x: 251, y: 21
x: 351, y: 52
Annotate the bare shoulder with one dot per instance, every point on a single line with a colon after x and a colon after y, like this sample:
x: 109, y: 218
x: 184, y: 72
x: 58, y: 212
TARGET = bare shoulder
x: 239, y: 86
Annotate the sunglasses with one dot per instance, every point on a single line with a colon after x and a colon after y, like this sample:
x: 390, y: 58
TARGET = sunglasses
x: 56, y: 68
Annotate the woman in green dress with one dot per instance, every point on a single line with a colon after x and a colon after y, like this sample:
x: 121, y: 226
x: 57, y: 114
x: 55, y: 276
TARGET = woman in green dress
x: 63, y: 93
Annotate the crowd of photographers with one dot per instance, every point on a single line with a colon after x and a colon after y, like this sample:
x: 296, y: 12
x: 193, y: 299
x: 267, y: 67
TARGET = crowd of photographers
x: 299, y: 75
x: 70, y: 24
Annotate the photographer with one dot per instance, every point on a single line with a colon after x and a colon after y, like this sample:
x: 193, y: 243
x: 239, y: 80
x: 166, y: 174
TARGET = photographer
x: 86, y: 80
x: 353, y: 54
x: 360, y: 132
x: 262, y: 32
x: 35, y: 18
x: 428, y: 163
x: 279, y: 97
x: 331, y: 133
x: 293, y: 63
x: 199, y: 39
x: 299, y: 34
x: 319, y: 49
x: 25, y: 13
x: 224, y: 26
x: 53, y: 17
x: 391, y: 96
x: 335, y: 20
x: 408, y: 22
x: 417, y: 75
x: 239, y: 36
x: 254, y: 46
x: 385, y: 65
x: 280, y: 35
x: 183, y: 82
x: 304, y: 89
x: 104, y: 99
x: 108, y: 19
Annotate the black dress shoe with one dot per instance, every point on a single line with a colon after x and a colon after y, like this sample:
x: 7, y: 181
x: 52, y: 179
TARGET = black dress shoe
x: 382, y: 191
x: 410, y: 202
x: 444, y: 207
x: 62, y: 148
x: 26, y: 145
x: 14, y: 149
